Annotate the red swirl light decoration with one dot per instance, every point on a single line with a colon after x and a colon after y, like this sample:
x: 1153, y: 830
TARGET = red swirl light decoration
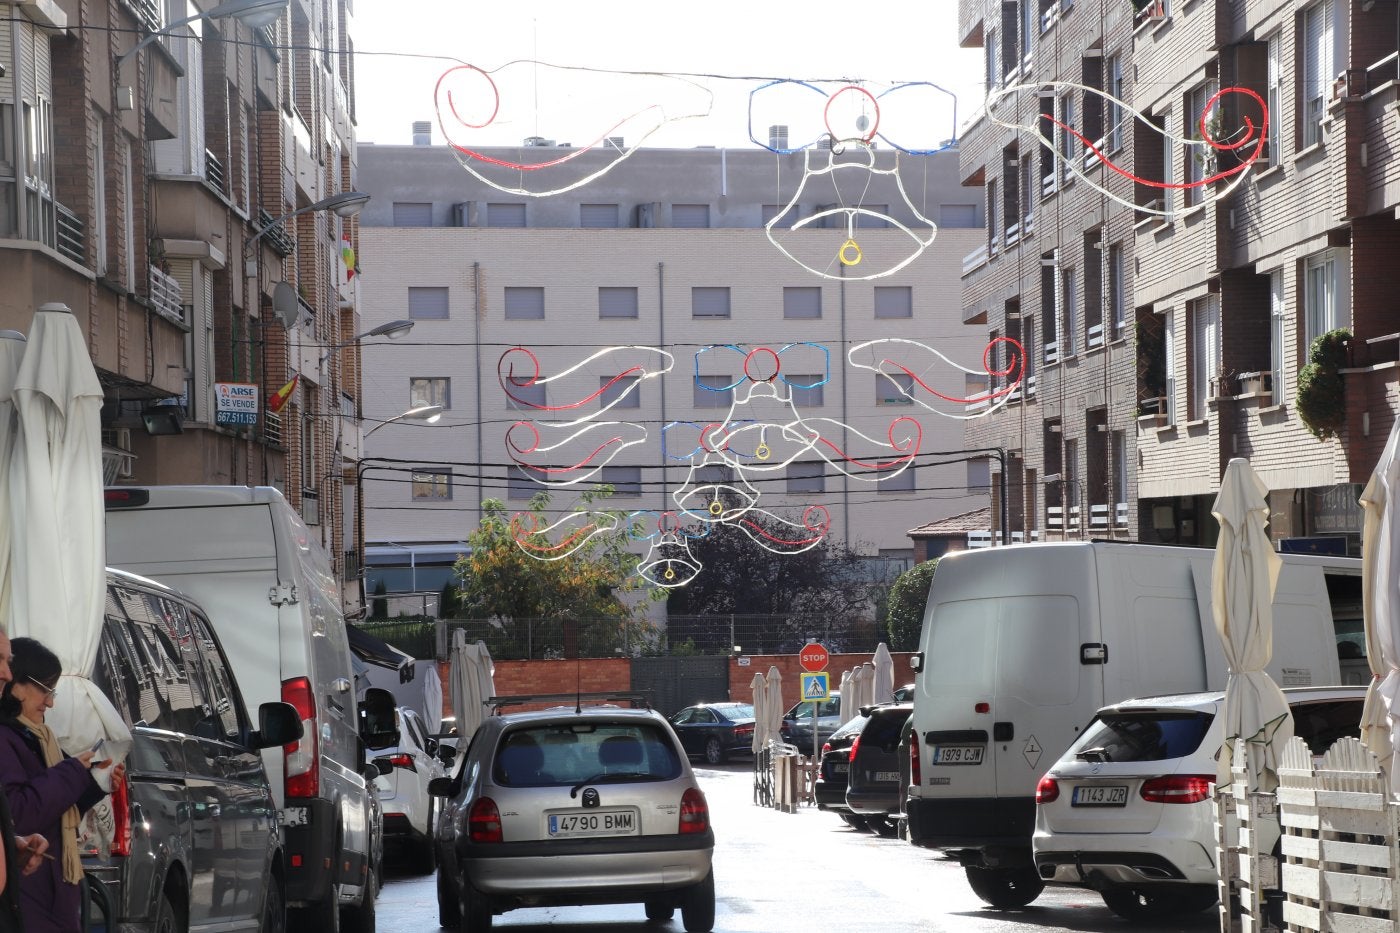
x: 891, y: 356
x: 910, y: 447
x: 816, y: 522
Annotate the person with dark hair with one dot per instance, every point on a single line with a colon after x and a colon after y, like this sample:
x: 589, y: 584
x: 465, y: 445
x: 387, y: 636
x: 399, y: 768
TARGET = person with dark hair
x: 22, y: 854
x: 47, y: 790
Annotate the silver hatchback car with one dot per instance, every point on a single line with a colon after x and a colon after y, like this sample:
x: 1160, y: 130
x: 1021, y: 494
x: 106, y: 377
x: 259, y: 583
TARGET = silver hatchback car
x: 573, y: 805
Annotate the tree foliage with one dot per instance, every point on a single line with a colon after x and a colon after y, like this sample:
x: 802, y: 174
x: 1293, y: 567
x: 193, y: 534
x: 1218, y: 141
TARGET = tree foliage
x: 591, y: 597
x: 908, y: 598
x: 1321, y: 398
x: 827, y: 592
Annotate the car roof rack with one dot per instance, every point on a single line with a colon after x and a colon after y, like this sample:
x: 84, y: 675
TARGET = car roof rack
x: 638, y: 700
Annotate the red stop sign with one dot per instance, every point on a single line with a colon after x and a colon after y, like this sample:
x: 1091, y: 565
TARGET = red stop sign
x: 813, y: 657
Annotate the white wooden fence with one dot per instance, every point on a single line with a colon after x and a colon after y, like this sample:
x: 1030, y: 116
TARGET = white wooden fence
x: 1337, y: 857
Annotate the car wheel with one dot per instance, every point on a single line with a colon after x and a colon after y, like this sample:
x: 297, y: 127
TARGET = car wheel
x: 449, y: 911
x: 714, y: 751
x: 322, y: 916
x: 698, y: 906
x: 1005, y: 888
x: 274, y: 912
x: 884, y: 826
x: 855, y: 821
x: 474, y: 910
x: 660, y: 910
x: 360, y: 918
x: 167, y: 917
x: 1143, y: 904
x: 424, y: 855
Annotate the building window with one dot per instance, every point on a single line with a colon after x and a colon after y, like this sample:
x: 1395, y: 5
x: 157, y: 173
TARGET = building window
x: 1277, y: 317
x: 617, y: 302
x: 894, y: 389
x: 807, y: 390
x: 1274, y: 151
x: 427, y: 303
x: 957, y: 216
x: 524, y: 303
x: 1118, y: 451
x: 622, y: 390
x: 413, y: 214
x: 1070, y: 145
x: 706, y: 301
x: 712, y: 474
x: 1011, y: 193
x: 1326, y: 299
x: 1071, y: 466
x: 526, y: 397
x: 1046, y: 130
x: 993, y: 66
x: 713, y: 391
x: 1200, y: 160
x: 1050, y: 307
x: 1117, y: 291
x: 802, y: 302
x: 1114, y: 117
x: 505, y: 215
x: 1205, y: 354
x: 1010, y: 38
x: 431, y: 485
x: 626, y: 481
x: 1317, y: 69
x: 770, y: 212
x: 1169, y: 351
x: 806, y: 476
x: 1168, y: 168
x: 1069, y: 305
x: 894, y: 301
x: 902, y: 481
x: 597, y: 215
x: 519, y: 485
x: 1094, y: 261
x: 1093, y: 104
x: 430, y: 390
x: 690, y: 216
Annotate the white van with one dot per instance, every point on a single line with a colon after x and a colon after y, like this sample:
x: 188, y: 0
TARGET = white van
x: 246, y: 556
x: 1021, y: 645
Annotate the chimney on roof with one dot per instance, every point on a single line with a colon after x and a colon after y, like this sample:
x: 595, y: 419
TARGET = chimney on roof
x: 422, y: 133
x: 777, y: 136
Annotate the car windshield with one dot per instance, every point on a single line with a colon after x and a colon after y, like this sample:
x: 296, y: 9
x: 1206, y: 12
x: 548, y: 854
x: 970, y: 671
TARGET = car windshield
x: 574, y: 752
x: 1142, y: 735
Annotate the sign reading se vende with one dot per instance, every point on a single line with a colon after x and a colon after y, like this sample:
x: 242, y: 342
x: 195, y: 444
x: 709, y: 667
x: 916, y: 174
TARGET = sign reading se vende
x: 813, y: 657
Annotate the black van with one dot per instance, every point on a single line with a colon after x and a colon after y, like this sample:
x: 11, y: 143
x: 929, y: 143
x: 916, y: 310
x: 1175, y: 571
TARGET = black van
x: 196, y: 841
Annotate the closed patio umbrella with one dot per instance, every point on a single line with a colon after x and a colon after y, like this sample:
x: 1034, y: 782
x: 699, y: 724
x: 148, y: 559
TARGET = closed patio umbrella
x: 846, y: 704
x: 1243, y: 577
x: 882, y: 684
x: 11, y: 352
x: 775, y: 707
x: 471, y: 679
x: 761, y: 732
x: 1380, y: 575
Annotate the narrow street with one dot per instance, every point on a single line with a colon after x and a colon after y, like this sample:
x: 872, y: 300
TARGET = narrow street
x: 785, y: 873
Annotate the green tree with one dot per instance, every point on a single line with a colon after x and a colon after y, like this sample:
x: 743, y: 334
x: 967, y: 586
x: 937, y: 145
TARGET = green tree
x: 908, y: 597
x: 589, y: 600
x: 379, y: 607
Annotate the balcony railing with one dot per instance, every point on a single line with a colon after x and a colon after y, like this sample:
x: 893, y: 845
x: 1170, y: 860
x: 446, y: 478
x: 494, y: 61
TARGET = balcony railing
x: 272, y: 427
x: 72, y: 239
x: 310, y: 507
x: 1120, y: 515
x: 167, y: 298
x: 975, y: 259
x: 214, y: 172
x: 1095, y: 336
x: 147, y: 11
x: 277, y: 238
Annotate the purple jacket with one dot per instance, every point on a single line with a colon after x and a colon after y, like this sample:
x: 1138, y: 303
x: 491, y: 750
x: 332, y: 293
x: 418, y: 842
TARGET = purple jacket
x: 38, y: 796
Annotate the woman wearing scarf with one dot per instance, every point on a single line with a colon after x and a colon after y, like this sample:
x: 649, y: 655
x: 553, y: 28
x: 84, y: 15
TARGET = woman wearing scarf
x: 47, y: 791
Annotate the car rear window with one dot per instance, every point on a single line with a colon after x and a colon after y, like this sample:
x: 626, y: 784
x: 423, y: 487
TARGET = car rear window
x: 1148, y: 735
x: 569, y: 753
x: 850, y: 727
x: 884, y: 727
x: 1323, y: 722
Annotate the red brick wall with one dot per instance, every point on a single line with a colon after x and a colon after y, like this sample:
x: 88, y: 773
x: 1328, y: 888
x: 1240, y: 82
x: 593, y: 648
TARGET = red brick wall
x: 740, y: 678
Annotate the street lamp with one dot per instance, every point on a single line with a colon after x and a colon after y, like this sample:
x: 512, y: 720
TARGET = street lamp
x: 393, y: 330
x: 428, y: 414
x: 252, y: 13
x: 345, y: 204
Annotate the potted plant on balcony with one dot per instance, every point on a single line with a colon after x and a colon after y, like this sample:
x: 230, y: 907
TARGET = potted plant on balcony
x: 1321, y: 397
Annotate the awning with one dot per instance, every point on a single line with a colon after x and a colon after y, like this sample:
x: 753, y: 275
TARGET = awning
x: 380, y: 653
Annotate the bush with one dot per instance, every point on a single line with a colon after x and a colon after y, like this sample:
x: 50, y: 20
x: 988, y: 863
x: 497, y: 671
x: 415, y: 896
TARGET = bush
x: 908, y: 597
x: 1321, y: 397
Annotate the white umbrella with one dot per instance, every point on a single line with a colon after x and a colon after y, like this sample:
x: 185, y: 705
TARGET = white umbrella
x: 761, y: 733
x: 846, y: 704
x: 1380, y: 574
x: 775, y: 708
x: 1243, y: 577
x: 11, y: 352
x: 883, y: 682
x: 472, y: 679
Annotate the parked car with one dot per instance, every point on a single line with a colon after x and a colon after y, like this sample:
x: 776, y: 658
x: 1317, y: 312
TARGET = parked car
x: 797, y: 722
x: 194, y: 823
x: 904, y: 693
x: 714, y: 731
x: 573, y: 805
x: 873, y: 785
x: 1127, y: 809
x: 402, y: 786
x: 830, y: 785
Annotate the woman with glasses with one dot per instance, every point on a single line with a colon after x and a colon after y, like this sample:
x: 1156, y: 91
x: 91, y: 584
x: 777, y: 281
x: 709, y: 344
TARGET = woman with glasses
x: 48, y: 791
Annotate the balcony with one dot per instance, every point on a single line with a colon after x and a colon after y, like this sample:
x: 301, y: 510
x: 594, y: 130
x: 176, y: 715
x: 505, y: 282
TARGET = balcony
x: 214, y: 172
x: 975, y: 260
x: 147, y: 11
x: 1254, y: 384
x: 167, y: 298
x: 277, y: 238
x: 1098, y: 516
x: 272, y: 427
x: 71, y: 237
x: 1150, y: 11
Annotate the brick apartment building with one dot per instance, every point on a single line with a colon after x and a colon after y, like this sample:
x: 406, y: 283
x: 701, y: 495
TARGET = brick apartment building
x: 1206, y: 318
x: 133, y: 182
x: 667, y: 250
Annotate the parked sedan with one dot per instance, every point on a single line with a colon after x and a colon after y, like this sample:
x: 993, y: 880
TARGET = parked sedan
x: 402, y: 786
x: 714, y: 731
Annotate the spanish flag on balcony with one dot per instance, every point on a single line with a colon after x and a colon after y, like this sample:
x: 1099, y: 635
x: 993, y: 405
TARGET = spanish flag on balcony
x: 347, y: 252
x: 279, y: 398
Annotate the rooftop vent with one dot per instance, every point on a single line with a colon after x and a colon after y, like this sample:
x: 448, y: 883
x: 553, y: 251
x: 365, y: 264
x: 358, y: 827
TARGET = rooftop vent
x: 422, y: 133
x: 778, y: 136
x: 538, y: 141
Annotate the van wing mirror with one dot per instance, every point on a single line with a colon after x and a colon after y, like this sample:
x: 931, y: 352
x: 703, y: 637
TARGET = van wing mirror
x: 377, y: 726
x: 916, y: 661
x: 278, y: 724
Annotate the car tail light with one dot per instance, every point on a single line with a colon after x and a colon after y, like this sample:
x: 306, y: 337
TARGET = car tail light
x: 855, y: 747
x: 743, y: 731
x: 826, y: 747
x: 695, y: 812
x: 403, y: 761
x: 1047, y: 791
x: 916, y: 771
x: 301, y: 759
x: 484, y: 821
x: 1178, y: 788
x: 121, y: 817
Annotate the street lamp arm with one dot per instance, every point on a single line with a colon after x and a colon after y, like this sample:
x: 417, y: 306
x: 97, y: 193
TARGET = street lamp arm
x: 255, y: 13
x: 345, y: 204
x: 393, y: 330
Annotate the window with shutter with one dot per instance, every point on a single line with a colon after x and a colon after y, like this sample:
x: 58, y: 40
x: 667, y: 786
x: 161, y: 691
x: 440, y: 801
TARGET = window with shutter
x: 505, y: 215
x: 524, y: 303
x: 619, y: 392
x: 617, y: 302
x: 598, y: 215
x: 1317, y: 69
x: 802, y: 302
x: 626, y: 481
x: 713, y: 391
x: 894, y: 301
x: 1277, y: 319
x: 413, y: 214
x: 692, y: 216
x: 427, y: 303
x: 709, y: 302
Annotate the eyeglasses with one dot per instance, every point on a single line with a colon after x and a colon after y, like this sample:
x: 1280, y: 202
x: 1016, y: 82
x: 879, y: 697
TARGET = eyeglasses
x: 48, y: 691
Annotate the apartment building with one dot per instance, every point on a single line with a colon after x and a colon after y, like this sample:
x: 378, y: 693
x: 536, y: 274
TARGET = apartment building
x: 147, y: 151
x: 1053, y: 272
x: 666, y: 250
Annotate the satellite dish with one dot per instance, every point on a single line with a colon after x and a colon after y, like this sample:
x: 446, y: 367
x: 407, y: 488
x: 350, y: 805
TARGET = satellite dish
x: 285, y: 305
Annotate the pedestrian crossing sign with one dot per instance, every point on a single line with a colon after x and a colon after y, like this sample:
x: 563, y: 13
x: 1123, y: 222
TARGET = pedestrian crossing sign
x: 816, y: 686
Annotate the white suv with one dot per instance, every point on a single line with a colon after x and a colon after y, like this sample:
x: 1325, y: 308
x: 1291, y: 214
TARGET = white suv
x: 1127, y: 810
x: 404, y: 773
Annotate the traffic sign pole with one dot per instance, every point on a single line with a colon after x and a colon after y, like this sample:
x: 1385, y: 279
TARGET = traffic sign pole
x: 814, y: 657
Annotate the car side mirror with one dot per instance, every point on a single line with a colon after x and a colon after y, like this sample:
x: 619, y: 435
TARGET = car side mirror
x: 441, y: 787
x: 377, y: 726
x: 278, y: 724
x: 381, y: 766
x: 446, y: 754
